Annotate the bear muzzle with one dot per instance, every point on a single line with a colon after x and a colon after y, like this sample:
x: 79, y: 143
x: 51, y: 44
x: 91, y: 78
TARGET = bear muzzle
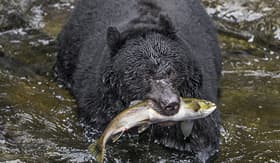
x: 164, y: 99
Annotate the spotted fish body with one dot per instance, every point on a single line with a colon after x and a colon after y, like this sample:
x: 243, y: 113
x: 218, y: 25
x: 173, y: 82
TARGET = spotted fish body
x: 143, y: 115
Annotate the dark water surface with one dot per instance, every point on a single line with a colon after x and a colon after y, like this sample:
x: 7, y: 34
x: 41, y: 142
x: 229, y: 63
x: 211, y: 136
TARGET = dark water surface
x: 38, y: 121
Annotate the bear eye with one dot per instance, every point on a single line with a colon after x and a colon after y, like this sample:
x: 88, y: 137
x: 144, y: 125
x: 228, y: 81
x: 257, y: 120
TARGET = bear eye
x: 179, y: 80
x: 171, y: 74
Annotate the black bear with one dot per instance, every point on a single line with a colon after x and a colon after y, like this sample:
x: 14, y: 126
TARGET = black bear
x: 113, y: 52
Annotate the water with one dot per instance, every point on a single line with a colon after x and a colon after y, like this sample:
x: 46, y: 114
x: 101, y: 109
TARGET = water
x: 38, y: 121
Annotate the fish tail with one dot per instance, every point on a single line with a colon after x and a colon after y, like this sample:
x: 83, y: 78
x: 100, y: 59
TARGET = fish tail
x: 97, y: 150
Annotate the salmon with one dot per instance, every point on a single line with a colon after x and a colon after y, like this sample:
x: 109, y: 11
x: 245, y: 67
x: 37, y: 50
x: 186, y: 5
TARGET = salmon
x: 142, y: 115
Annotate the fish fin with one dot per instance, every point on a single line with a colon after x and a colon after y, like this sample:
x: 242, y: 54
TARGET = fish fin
x: 186, y: 127
x: 117, y: 136
x: 97, y: 151
x: 143, y: 127
x: 132, y: 103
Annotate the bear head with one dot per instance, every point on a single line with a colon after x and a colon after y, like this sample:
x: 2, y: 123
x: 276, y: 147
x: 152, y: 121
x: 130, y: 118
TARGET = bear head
x: 152, y: 64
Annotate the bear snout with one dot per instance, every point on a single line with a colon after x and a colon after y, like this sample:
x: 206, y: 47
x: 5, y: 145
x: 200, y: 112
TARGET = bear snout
x: 172, y: 108
x: 165, y: 99
x: 169, y: 104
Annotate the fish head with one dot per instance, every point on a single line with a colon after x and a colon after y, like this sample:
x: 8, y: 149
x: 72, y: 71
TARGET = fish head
x: 202, y: 107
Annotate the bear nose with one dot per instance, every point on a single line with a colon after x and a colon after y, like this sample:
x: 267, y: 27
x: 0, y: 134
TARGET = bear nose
x: 172, y: 107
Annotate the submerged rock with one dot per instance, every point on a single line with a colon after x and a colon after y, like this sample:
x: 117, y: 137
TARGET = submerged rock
x: 254, y: 21
x: 13, y: 13
x: 23, y: 13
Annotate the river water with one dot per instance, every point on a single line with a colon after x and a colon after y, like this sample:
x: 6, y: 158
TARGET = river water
x: 38, y: 121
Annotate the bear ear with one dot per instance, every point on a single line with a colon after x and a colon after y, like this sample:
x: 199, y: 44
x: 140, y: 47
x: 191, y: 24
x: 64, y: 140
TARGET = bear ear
x: 113, y: 38
x: 166, y: 24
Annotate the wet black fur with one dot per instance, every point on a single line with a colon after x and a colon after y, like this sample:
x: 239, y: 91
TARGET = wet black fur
x: 106, y: 69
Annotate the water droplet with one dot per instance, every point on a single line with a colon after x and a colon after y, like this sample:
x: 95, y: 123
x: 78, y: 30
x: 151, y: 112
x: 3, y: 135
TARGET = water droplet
x: 251, y: 39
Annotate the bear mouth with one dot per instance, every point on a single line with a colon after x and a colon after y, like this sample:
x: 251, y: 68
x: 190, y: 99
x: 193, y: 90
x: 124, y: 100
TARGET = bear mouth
x: 168, y: 111
x: 167, y: 124
x: 161, y: 124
